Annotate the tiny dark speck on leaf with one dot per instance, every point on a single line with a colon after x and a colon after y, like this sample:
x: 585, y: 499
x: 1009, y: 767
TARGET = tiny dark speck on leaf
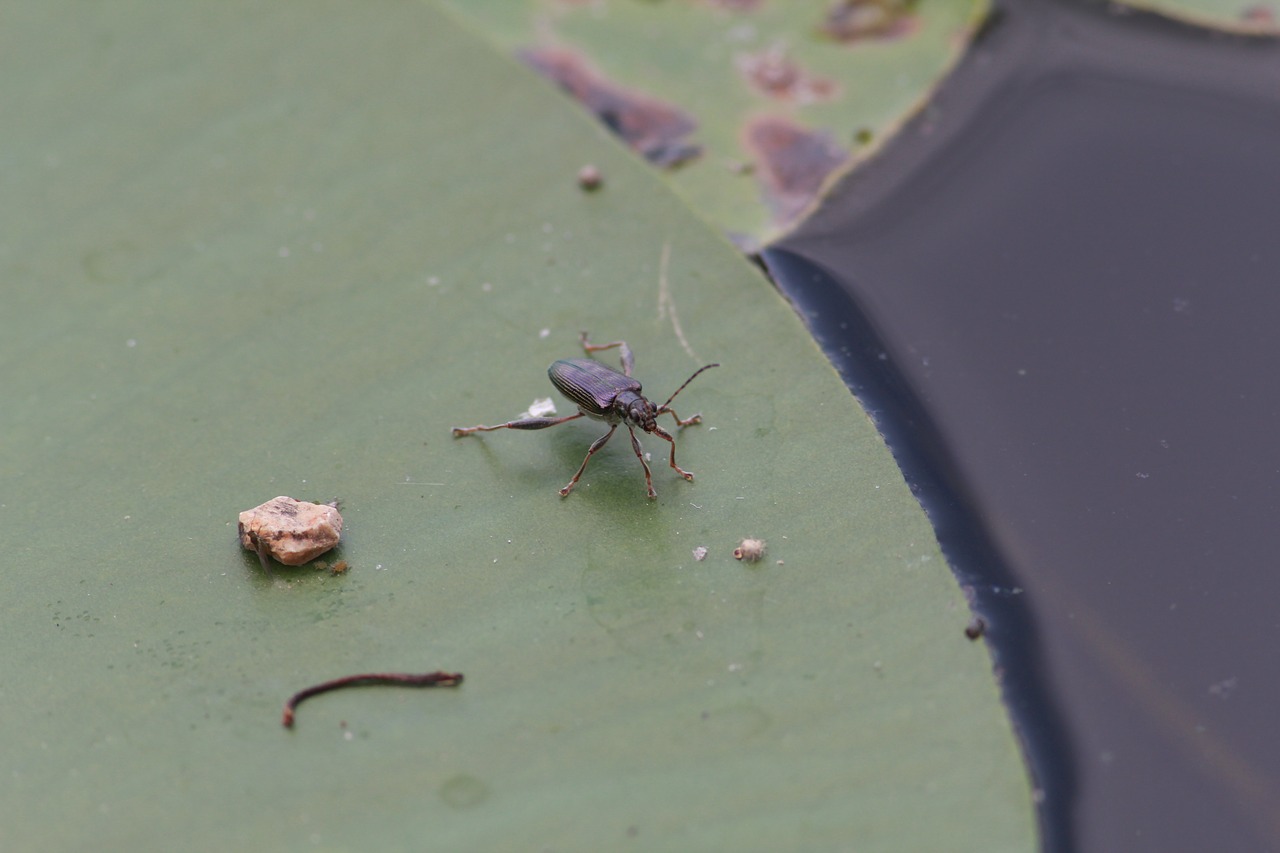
x: 589, y: 178
x: 976, y: 628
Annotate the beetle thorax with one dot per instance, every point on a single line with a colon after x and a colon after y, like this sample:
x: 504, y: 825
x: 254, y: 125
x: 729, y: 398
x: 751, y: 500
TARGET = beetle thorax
x: 636, y: 410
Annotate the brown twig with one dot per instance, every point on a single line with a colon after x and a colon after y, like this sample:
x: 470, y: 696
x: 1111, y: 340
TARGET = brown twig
x: 399, y: 679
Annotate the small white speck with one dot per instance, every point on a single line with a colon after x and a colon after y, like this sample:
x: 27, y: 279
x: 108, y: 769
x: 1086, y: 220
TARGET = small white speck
x: 283, y: 252
x: 348, y: 735
x: 735, y: 667
x: 1022, y: 371
x: 131, y: 343
x: 486, y: 287
x: 544, y: 334
x: 1224, y: 688
x: 700, y: 553
x: 698, y: 634
x: 378, y: 567
x: 1142, y: 476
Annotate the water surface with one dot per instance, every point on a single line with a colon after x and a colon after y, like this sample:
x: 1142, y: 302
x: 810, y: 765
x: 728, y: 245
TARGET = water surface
x: 1058, y: 291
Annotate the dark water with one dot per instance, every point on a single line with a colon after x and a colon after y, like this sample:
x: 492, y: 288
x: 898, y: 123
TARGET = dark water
x: 1058, y: 291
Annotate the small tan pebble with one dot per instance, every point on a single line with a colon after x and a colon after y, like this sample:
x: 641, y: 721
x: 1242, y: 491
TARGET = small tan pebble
x: 292, y: 532
x: 339, y: 567
x: 589, y: 178
x: 750, y: 550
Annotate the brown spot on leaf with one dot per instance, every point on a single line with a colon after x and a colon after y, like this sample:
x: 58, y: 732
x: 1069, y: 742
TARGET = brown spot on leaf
x: 774, y: 74
x: 792, y: 163
x: 857, y: 20
x: 1261, y: 16
x: 656, y: 129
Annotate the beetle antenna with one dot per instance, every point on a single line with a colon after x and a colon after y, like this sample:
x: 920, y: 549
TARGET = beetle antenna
x: 664, y: 406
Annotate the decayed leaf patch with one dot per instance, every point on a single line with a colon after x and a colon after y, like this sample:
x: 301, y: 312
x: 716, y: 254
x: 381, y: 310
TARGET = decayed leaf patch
x: 791, y: 162
x: 658, y: 130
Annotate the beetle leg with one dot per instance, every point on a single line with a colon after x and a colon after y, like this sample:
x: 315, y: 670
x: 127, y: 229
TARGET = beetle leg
x: 595, y: 445
x: 628, y: 360
x: 648, y: 478
x: 526, y: 423
x: 696, y: 419
x: 662, y: 433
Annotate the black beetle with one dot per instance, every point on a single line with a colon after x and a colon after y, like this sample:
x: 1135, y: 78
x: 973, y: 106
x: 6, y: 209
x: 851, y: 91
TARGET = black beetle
x: 605, y: 394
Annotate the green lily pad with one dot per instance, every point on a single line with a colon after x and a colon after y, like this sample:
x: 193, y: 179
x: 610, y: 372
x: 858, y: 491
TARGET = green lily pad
x: 776, y: 97
x: 257, y: 250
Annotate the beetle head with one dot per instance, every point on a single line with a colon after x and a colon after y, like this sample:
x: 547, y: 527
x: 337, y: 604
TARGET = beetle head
x: 643, y: 414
